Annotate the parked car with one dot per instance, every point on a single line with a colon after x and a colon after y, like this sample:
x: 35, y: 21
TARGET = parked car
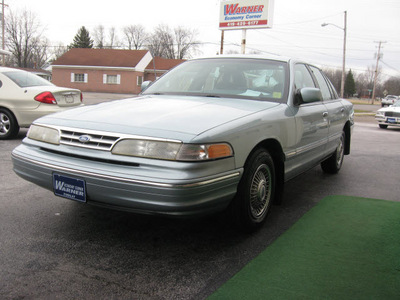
x: 389, y: 100
x: 389, y: 116
x: 212, y: 134
x: 25, y: 97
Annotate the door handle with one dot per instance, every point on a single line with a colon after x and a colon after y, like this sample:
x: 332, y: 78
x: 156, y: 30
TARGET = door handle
x: 325, y: 114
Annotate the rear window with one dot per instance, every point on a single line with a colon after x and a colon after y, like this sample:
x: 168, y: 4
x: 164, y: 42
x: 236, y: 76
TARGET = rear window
x: 26, y: 79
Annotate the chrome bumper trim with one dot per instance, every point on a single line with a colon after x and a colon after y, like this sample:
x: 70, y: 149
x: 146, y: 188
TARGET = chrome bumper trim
x: 116, y: 178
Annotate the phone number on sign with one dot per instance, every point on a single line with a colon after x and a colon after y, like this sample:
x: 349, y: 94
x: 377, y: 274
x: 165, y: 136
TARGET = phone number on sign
x: 243, y: 23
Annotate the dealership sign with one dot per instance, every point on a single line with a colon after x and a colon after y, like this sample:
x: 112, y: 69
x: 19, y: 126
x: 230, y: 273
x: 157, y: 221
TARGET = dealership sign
x: 243, y: 14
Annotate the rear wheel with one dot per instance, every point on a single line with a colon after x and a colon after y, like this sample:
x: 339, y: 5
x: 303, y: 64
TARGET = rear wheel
x: 8, y: 125
x: 333, y: 164
x: 256, y: 191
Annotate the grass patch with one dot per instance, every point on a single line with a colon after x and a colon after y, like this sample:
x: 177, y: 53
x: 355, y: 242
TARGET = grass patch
x: 343, y: 248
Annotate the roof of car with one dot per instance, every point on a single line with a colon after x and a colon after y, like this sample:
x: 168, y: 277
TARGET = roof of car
x: 257, y: 56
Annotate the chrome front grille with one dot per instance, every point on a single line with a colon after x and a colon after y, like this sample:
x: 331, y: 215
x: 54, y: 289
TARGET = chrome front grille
x: 392, y: 114
x: 84, y: 139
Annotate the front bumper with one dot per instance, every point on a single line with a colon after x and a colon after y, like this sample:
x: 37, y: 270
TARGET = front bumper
x: 393, y: 121
x: 115, y: 188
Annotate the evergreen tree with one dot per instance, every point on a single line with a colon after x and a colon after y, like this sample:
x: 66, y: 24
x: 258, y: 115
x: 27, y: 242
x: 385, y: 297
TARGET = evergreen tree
x: 349, y: 85
x: 82, y: 39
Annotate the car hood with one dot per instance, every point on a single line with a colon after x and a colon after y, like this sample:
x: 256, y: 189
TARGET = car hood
x: 158, y: 116
x: 390, y: 108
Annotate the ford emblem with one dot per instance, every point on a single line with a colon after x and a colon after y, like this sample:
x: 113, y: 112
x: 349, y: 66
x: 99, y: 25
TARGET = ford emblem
x: 84, y: 138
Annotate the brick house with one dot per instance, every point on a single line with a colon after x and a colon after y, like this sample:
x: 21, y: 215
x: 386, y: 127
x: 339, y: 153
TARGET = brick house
x: 108, y: 70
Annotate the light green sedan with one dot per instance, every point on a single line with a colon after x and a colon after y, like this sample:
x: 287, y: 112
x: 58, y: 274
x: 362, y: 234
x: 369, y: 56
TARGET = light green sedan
x: 212, y: 134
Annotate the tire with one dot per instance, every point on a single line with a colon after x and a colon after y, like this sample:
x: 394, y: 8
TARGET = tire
x: 8, y: 125
x: 333, y: 164
x: 383, y: 126
x: 256, y: 191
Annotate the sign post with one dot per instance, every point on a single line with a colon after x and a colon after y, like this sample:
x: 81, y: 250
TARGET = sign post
x: 245, y: 14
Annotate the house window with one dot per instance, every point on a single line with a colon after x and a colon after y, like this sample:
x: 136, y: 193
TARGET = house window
x: 139, y: 80
x: 111, y: 79
x: 79, y: 77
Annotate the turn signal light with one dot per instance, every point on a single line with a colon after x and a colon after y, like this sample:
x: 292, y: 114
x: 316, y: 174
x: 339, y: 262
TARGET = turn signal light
x: 219, y: 150
x: 46, y: 97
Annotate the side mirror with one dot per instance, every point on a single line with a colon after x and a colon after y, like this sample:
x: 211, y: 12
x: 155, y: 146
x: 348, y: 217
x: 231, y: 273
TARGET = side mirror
x: 145, y: 85
x: 308, y: 95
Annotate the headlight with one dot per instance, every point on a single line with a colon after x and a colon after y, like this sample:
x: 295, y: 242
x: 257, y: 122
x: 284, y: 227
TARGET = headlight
x: 172, y: 150
x: 44, y: 134
x: 380, y: 113
x: 147, y: 148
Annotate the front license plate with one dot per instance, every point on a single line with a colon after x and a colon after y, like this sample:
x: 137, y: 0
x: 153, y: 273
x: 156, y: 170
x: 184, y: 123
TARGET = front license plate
x: 391, y: 120
x: 68, y: 187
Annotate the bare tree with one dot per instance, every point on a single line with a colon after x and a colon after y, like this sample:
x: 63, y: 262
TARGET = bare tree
x: 176, y: 44
x: 99, y: 36
x: 58, y: 51
x: 40, y: 50
x: 392, y: 86
x: 113, y: 41
x: 24, y: 39
x: 365, y: 81
x: 335, y: 76
x: 136, y: 36
x: 185, y: 42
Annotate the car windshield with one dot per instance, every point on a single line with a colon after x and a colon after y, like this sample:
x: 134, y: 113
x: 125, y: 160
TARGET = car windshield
x: 257, y: 79
x: 26, y: 79
x: 396, y: 104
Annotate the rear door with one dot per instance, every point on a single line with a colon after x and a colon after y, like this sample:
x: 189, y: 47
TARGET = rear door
x: 336, y: 112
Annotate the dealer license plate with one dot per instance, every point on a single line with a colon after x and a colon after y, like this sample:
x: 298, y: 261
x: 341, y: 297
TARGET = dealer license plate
x: 68, y: 187
x: 391, y: 120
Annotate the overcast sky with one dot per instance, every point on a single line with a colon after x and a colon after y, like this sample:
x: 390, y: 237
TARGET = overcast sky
x: 296, y: 31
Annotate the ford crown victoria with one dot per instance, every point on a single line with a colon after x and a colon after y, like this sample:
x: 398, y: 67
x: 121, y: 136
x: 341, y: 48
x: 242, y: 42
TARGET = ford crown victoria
x: 212, y: 134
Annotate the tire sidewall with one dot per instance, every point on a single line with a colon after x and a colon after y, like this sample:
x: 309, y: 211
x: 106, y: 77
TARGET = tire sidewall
x: 243, y: 206
x: 14, y: 128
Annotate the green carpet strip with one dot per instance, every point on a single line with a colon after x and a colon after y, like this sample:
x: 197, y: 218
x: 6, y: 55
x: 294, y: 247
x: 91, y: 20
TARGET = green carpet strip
x: 343, y: 248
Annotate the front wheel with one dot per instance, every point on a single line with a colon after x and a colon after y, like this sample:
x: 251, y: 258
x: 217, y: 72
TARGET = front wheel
x: 383, y: 126
x: 8, y: 125
x: 256, y: 191
x: 333, y: 164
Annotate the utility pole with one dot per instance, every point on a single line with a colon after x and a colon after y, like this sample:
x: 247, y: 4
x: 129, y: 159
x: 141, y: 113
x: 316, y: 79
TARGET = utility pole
x: 222, y: 42
x: 344, y: 28
x: 376, y: 68
x: 344, y: 55
x: 2, y: 28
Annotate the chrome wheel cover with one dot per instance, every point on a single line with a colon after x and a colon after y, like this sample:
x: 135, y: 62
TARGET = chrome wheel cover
x: 5, y: 124
x: 260, y: 191
x: 340, y: 152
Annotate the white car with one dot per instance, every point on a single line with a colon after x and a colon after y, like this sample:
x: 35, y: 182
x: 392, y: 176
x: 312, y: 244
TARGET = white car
x: 24, y: 97
x: 389, y: 100
x: 389, y: 116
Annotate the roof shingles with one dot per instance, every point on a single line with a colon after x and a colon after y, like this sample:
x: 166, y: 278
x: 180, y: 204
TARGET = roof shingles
x: 101, y: 57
